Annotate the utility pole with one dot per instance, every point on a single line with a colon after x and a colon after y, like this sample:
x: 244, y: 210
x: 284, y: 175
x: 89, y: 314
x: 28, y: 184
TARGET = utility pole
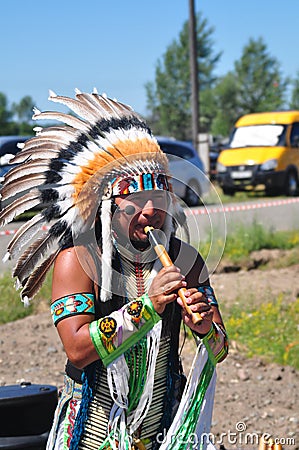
x: 194, y: 74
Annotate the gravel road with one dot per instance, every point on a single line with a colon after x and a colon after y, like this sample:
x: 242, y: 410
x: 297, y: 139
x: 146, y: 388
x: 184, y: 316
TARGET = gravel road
x: 252, y: 397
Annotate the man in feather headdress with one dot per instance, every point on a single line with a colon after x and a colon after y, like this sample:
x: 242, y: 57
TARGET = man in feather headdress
x: 116, y: 309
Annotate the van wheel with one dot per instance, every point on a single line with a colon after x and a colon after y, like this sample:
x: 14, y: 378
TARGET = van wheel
x: 228, y: 191
x: 291, y: 184
x: 192, y: 195
x: 271, y: 192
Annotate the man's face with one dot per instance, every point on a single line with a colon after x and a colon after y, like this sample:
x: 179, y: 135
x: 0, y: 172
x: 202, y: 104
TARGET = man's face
x: 138, y: 210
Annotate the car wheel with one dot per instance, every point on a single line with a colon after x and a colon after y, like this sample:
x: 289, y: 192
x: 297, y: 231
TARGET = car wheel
x: 291, y: 184
x: 228, y: 191
x: 192, y: 196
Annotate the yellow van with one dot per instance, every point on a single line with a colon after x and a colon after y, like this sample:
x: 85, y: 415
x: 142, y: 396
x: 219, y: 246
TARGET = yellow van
x: 263, y: 152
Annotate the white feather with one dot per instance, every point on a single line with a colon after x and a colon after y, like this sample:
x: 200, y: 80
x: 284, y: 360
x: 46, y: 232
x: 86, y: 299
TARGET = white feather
x: 52, y: 94
x: 19, y: 186
x: 18, y: 206
x: 74, y: 221
x: 24, y: 234
x: 76, y: 107
x: 65, y: 191
x: 26, y: 301
x: 38, y: 130
x: 43, y: 152
x: 72, y: 121
x: 26, y: 169
x: 107, y: 251
x: 6, y: 257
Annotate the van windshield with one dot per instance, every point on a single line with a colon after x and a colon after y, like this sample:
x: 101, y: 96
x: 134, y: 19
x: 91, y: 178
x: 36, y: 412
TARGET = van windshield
x: 258, y: 136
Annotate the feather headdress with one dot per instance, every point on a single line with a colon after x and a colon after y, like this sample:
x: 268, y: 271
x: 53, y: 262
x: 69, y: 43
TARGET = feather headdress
x: 71, y: 170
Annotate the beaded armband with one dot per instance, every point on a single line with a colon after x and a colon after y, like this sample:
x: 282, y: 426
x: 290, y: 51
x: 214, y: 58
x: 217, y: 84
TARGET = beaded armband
x: 113, y: 335
x: 208, y: 291
x: 71, y: 305
x: 216, y: 343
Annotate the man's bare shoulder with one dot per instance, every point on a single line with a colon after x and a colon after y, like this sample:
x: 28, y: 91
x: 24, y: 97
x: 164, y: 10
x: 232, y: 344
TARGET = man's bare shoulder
x: 73, y: 272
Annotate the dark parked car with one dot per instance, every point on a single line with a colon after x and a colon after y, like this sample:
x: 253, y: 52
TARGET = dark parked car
x: 8, y: 148
x: 214, y: 152
x: 187, y: 169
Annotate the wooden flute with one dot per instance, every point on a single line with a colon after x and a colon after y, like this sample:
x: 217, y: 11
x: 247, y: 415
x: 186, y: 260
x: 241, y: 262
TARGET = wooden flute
x: 166, y: 262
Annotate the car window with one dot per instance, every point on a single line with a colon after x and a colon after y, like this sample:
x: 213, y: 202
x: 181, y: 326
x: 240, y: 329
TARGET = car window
x: 177, y: 150
x: 10, y: 147
x: 294, y: 138
x: 264, y: 135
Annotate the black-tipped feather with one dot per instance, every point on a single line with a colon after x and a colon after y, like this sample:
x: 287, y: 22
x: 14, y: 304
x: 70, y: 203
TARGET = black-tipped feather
x: 26, y: 168
x: 29, y: 259
x: 72, y: 121
x: 18, y: 206
x: 23, y: 184
x: 36, y: 279
x: 25, y: 233
x: 76, y: 107
x: 41, y: 152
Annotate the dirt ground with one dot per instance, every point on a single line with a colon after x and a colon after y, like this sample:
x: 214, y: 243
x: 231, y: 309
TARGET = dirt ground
x: 252, y: 397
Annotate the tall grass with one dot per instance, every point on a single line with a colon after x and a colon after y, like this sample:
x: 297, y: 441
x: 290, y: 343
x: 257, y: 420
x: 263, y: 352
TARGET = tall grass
x: 269, y: 331
x: 245, y: 240
x: 11, y: 307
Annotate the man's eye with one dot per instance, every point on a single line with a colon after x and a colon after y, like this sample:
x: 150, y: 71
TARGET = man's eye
x: 159, y: 198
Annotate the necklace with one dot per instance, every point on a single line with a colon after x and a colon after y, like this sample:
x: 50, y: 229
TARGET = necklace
x: 135, y: 271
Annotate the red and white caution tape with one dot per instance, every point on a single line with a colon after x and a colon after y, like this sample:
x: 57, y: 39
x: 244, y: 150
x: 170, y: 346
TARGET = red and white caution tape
x: 243, y: 207
x: 9, y: 232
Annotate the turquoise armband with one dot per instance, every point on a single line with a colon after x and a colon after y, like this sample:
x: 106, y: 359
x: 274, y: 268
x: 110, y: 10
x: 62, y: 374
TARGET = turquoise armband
x: 113, y: 335
x: 72, y: 305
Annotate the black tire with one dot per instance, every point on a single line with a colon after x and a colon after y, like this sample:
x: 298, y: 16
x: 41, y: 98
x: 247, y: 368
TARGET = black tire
x: 192, y: 195
x: 272, y: 191
x: 228, y: 191
x: 291, y: 184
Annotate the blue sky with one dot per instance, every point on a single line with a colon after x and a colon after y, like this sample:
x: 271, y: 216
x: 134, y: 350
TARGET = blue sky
x: 114, y: 45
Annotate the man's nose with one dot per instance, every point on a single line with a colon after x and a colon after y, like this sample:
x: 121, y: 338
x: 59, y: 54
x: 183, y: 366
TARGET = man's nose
x: 148, y: 208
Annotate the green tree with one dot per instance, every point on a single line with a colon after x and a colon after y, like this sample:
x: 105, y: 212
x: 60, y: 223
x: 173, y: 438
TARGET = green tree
x: 5, y: 114
x: 225, y: 95
x: 294, y: 104
x: 255, y: 85
x: 168, y: 98
x: 23, y: 109
x: 260, y: 84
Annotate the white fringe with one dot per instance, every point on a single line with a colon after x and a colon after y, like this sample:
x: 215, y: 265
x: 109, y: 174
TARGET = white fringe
x: 153, y: 341
x: 106, y: 293
x: 203, y: 426
x: 118, y: 379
